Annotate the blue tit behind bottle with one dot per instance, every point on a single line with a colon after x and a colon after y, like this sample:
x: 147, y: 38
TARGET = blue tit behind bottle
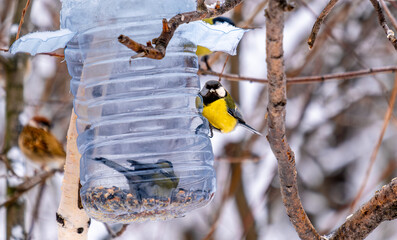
x: 220, y: 109
x: 147, y: 180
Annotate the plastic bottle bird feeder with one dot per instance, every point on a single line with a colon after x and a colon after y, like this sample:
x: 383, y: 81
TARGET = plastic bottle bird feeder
x: 145, y: 148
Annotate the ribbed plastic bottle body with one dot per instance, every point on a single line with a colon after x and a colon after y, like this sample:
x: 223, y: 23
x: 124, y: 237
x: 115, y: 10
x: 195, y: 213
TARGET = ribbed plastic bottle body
x: 145, y: 148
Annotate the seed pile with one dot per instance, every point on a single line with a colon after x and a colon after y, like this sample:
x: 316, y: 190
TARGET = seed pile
x: 120, y: 205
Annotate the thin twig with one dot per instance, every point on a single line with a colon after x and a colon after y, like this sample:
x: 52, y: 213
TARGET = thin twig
x: 36, y: 209
x: 276, y: 121
x: 118, y: 233
x: 346, y: 75
x: 223, y: 68
x: 6, y: 162
x: 387, y: 117
x: 319, y: 21
x: 22, y: 18
x: 389, y: 14
x: 259, y: 8
x: 307, y: 79
x: 225, y: 196
x: 239, y: 159
x: 169, y: 27
x: 381, y: 18
x: 52, y: 54
x: 27, y: 185
x: 381, y: 207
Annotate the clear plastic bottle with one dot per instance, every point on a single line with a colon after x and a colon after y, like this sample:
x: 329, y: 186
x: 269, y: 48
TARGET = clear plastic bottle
x: 145, y: 148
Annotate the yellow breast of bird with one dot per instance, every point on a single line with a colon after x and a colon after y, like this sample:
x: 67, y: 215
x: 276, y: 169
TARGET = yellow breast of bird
x: 201, y: 51
x: 217, y: 115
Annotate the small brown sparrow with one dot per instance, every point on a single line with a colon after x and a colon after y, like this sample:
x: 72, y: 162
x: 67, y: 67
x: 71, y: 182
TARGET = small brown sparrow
x: 39, y: 145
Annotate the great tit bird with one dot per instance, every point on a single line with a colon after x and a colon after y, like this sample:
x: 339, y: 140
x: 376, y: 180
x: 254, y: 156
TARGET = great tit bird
x: 203, y: 51
x: 147, y: 180
x: 220, y: 109
x: 39, y: 145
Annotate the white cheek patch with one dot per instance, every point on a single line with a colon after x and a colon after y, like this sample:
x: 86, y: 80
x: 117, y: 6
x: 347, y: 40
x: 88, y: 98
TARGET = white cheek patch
x: 221, y: 92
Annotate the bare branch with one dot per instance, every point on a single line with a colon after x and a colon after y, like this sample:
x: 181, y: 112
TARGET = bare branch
x: 22, y: 18
x: 389, y: 33
x: 381, y: 207
x: 306, y: 79
x: 169, y: 27
x: 319, y: 21
x: 387, y: 117
x: 389, y: 14
x: 258, y: 9
x: 118, y: 233
x: 7, y: 164
x: 36, y: 210
x: 27, y: 185
x: 276, y: 120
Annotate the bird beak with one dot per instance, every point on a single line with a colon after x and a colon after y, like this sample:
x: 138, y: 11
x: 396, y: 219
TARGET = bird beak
x: 212, y: 90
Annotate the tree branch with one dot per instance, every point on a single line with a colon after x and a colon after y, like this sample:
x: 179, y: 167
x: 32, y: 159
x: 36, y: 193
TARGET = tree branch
x: 22, y: 19
x: 389, y: 33
x: 386, y: 121
x: 27, y: 185
x: 169, y: 27
x: 306, y: 79
x: 276, y: 121
x: 381, y: 207
x: 389, y: 14
x: 319, y: 21
x: 118, y: 233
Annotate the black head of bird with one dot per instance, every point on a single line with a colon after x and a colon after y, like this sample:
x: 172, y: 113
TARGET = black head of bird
x: 212, y: 91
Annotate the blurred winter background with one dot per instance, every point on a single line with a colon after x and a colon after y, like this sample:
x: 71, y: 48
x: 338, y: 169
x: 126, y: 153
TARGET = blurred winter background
x: 333, y: 126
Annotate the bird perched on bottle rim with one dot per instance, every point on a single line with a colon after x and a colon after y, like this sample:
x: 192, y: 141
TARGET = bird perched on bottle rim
x: 203, y: 51
x: 39, y: 145
x: 220, y: 109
